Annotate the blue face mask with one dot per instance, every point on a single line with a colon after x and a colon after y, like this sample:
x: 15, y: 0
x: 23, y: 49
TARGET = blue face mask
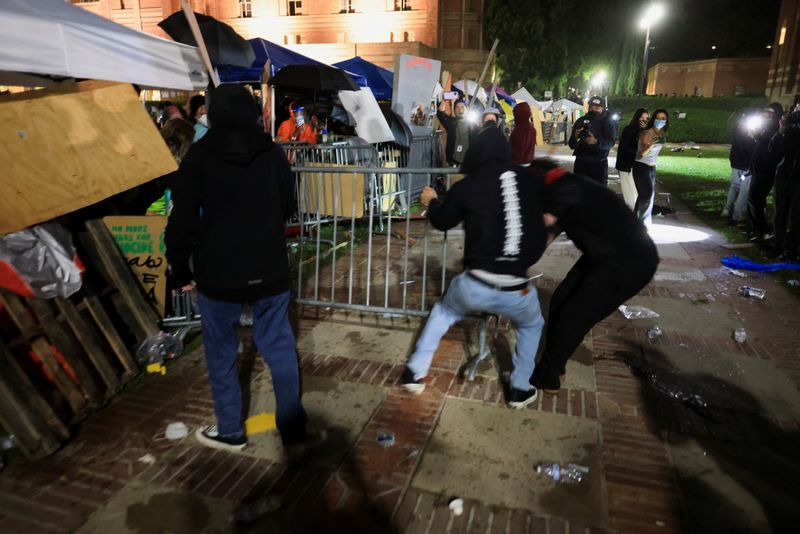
x: 659, y: 123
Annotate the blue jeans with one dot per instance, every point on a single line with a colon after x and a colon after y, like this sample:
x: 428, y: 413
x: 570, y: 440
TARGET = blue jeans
x: 736, y: 203
x: 466, y: 295
x: 274, y: 339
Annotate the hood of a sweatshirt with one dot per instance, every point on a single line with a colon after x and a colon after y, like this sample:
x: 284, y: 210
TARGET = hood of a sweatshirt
x: 488, y: 147
x: 522, y: 112
x: 234, y: 135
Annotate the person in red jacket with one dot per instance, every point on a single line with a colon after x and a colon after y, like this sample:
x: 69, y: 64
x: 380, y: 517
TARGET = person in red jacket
x: 523, y: 138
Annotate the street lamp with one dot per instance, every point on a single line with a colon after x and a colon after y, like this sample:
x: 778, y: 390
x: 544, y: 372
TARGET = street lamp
x: 651, y: 16
x: 599, y: 81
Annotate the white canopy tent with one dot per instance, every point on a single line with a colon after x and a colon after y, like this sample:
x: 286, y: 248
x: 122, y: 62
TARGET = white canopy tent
x: 54, y: 38
x: 563, y: 105
x: 471, y: 87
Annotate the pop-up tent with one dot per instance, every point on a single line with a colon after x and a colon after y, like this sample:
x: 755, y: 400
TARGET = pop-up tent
x: 277, y: 55
x: 378, y: 79
x: 564, y: 105
x: 52, y: 38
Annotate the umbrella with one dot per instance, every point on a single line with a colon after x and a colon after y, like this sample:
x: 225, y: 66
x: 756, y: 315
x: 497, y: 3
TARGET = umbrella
x: 316, y: 77
x: 400, y: 130
x: 225, y: 46
x: 57, y: 39
x: 378, y: 79
x: 471, y: 87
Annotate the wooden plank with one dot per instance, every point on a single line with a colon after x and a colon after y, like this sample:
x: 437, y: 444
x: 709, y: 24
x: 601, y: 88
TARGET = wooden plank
x: 117, y: 271
x: 68, y: 347
x: 88, y: 339
x: 11, y: 371
x: 70, y: 391
x: 105, y: 326
x: 17, y: 419
x: 104, y: 145
x: 17, y: 311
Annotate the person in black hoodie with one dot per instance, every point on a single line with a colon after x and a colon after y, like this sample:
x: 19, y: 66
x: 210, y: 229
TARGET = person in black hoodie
x: 231, y: 197
x: 626, y: 155
x: 618, y: 260
x: 592, y: 138
x: 504, y: 235
x: 786, y: 144
x: 742, y: 147
x: 762, y: 168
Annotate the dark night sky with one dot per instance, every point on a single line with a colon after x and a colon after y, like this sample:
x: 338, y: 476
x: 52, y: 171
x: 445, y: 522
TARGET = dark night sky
x: 737, y: 28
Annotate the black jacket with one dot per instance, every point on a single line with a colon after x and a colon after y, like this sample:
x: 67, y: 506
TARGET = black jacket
x: 628, y: 145
x: 449, y: 123
x: 603, y: 128
x: 495, y: 200
x: 742, y: 147
x: 231, y: 198
x: 787, y: 146
x: 763, y: 164
x: 598, y: 222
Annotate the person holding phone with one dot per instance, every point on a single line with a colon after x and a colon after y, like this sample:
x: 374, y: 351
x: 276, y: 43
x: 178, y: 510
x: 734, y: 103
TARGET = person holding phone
x: 592, y: 138
x: 651, y: 141
x: 626, y: 154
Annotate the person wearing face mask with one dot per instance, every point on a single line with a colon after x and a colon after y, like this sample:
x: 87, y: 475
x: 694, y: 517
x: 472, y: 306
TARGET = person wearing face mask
x: 201, y: 123
x: 626, y: 154
x: 286, y: 127
x: 651, y: 141
x: 459, y: 132
x: 593, y: 136
x: 303, y: 133
x: 491, y: 117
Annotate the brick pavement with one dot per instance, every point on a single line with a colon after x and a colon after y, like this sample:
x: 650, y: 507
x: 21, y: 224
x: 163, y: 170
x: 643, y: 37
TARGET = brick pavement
x: 372, y: 489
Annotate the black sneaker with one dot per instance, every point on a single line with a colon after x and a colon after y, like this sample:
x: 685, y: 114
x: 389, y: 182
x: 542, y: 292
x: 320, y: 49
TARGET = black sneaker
x: 209, y: 436
x: 519, y: 399
x: 409, y: 383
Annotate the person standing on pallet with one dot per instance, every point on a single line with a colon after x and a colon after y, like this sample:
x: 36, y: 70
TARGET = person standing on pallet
x: 619, y: 259
x: 504, y: 235
x: 231, y: 196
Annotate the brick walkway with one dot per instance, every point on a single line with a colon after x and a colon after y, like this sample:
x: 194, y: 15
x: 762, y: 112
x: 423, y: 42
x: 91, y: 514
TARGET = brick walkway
x: 660, y: 463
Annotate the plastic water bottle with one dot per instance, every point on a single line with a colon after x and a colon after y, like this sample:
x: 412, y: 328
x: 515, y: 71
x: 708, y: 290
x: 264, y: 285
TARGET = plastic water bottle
x: 740, y: 335
x: 754, y: 292
x: 159, y: 347
x: 655, y: 332
x: 566, y: 473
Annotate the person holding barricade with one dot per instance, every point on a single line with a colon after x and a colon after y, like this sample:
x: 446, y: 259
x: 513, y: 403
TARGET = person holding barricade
x: 504, y: 235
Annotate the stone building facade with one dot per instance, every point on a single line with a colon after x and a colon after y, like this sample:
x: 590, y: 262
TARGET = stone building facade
x: 783, y: 83
x: 710, y: 77
x: 334, y: 30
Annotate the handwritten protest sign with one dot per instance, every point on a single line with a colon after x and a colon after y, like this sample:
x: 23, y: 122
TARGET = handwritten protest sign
x: 141, y: 240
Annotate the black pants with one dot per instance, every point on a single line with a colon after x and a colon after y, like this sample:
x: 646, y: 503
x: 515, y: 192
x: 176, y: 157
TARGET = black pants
x: 760, y: 186
x: 588, y: 294
x: 594, y: 170
x: 787, y: 213
x: 644, y: 176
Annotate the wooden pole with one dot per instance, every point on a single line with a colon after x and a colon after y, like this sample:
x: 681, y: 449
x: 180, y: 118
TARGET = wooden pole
x: 485, y: 68
x: 192, y: 20
x: 266, y: 97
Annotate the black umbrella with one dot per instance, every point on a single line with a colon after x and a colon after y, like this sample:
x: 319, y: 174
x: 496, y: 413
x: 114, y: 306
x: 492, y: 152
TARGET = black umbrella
x: 225, y: 46
x: 316, y: 77
x: 400, y: 130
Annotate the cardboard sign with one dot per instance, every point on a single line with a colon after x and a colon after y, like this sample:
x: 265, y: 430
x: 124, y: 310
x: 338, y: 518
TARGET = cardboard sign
x: 414, y: 83
x: 141, y: 240
x: 371, y: 126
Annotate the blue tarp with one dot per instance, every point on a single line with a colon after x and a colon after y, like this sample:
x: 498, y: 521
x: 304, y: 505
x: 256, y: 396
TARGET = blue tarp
x: 735, y: 262
x: 378, y: 79
x: 265, y: 50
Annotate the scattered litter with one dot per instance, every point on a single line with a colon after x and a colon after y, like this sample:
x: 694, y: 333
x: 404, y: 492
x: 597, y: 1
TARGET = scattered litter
x: 660, y: 523
x: 655, y: 332
x: 736, y: 272
x: 677, y: 149
x: 7, y: 443
x: 259, y: 423
x: 385, y: 438
x: 246, y: 317
x: 159, y: 347
x: 566, y: 473
x: 406, y: 282
x: 413, y: 452
x: 250, y: 512
x: 740, y: 335
x: 148, y: 459
x: 794, y: 283
x: 637, y: 312
x: 754, y: 292
x: 457, y: 506
x: 157, y: 368
x: 176, y: 430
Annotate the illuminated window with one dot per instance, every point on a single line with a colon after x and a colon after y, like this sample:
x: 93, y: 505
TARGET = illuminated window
x: 291, y: 38
x: 346, y: 6
x: 782, y: 38
x: 402, y: 5
x: 84, y: 1
x: 294, y: 7
x: 245, y: 9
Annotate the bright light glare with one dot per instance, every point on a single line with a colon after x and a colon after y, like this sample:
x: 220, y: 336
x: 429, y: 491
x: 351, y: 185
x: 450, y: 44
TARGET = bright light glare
x: 754, y: 123
x: 473, y: 116
x: 651, y: 16
x: 598, y: 79
x: 664, y: 234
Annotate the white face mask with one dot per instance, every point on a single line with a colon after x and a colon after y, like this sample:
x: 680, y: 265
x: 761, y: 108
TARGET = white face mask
x: 203, y: 119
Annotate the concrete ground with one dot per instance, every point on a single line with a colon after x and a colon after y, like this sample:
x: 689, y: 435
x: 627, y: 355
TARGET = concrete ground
x: 687, y: 432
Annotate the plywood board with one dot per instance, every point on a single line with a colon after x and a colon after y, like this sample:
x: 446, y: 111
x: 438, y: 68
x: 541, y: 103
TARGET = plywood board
x: 327, y: 194
x: 72, y: 145
x: 141, y: 240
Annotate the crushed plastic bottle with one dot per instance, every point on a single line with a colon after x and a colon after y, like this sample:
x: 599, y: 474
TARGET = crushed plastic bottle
x: 740, y: 335
x: 655, y: 332
x: 566, y: 473
x: 246, y: 317
x: 637, y: 312
x: 385, y: 438
x: 159, y: 347
x: 753, y: 292
x: 794, y: 283
x: 7, y: 443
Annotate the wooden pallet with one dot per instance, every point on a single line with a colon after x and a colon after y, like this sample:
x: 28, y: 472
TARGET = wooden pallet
x: 61, y: 359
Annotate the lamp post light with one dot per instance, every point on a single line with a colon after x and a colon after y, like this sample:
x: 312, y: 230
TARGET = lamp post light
x: 651, y: 16
x: 599, y: 81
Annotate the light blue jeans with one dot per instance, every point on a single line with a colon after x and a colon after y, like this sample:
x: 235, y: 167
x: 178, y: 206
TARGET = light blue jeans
x: 737, y: 194
x: 466, y: 295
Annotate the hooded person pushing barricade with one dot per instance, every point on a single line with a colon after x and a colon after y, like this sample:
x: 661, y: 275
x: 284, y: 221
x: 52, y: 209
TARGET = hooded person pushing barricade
x: 504, y: 235
x: 231, y: 198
